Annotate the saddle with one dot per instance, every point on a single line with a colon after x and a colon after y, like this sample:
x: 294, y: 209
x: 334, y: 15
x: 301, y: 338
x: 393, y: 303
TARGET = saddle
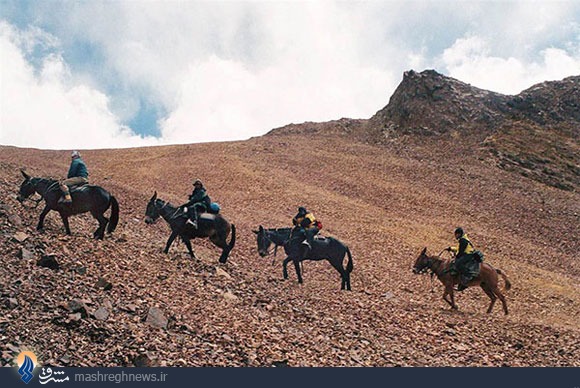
x: 78, y: 187
x: 206, y: 216
x: 471, y: 267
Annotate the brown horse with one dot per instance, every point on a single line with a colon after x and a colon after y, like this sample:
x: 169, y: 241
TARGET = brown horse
x: 487, y: 279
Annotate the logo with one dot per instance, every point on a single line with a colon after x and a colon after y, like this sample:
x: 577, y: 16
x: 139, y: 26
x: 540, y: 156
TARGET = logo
x: 48, y: 375
x: 26, y: 362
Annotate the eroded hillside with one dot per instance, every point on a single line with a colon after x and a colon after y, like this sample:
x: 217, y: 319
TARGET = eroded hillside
x: 386, y: 202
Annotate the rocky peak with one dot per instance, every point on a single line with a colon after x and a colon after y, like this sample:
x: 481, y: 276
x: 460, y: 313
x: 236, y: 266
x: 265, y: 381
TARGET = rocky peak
x: 550, y: 102
x: 430, y: 103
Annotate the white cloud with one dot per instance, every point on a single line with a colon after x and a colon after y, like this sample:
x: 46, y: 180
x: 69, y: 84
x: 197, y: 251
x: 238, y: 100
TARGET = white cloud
x: 233, y: 70
x: 44, y: 109
x: 470, y: 60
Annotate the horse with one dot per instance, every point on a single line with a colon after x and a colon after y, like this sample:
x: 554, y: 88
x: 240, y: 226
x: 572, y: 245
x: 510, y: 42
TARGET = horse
x: 487, y: 279
x: 328, y: 248
x: 214, y: 226
x: 276, y: 236
x: 87, y: 198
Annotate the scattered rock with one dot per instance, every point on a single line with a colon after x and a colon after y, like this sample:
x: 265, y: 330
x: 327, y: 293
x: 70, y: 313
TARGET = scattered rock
x: 130, y: 308
x: 101, y: 314
x: 156, y: 318
x: 519, y: 346
x: 75, y: 317
x: 15, y: 220
x: 78, y: 306
x: 104, y: 284
x: 280, y: 364
x: 229, y: 296
x: 107, y: 303
x: 65, y: 359
x: 11, y: 303
x: 220, y: 272
x: 142, y: 360
x: 48, y: 261
x: 20, y: 237
x: 81, y: 270
x: 25, y: 254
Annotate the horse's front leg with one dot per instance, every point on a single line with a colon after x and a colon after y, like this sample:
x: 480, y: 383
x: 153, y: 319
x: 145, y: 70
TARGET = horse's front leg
x: 449, y: 291
x: 42, y: 216
x: 189, y: 248
x: 285, y: 269
x: 170, y: 241
x: 298, y: 274
x: 64, y: 218
x: 452, y: 296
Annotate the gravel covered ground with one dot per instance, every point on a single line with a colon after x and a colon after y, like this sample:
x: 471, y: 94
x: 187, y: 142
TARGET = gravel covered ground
x: 387, y: 203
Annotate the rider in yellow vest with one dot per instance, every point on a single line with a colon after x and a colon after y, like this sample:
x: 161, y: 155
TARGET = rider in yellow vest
x: 464, y: 254
x: 308, y: 225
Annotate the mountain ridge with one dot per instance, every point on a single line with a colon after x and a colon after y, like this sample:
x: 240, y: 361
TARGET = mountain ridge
x: 534, y: 133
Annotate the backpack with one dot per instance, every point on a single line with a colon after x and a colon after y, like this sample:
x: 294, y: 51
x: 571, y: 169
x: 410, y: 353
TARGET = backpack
x: 214, y: 208
x: 478, y: 256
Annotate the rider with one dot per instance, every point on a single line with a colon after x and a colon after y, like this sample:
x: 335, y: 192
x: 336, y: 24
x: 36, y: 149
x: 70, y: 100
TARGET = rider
x: 464, y: 254
x: 307, y: 224
x: 77, y: 175
x: 199, y: 202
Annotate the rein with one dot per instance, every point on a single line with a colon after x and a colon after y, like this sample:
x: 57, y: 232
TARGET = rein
x: 165, y: 204
x: 43, y: 194
x: 267, y: 236
x: 36, y: 201
x: 269, y: 251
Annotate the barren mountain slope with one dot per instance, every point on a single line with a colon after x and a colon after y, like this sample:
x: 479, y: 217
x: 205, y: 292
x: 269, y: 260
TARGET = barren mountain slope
x: 385, y: 202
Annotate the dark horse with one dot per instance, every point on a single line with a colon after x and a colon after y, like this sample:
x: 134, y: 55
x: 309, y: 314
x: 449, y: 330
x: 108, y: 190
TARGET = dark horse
x: 327, y: 248
x: 487, y: 279
x: 88, y: 198
x: 213, y: 226
x: 276, y: 236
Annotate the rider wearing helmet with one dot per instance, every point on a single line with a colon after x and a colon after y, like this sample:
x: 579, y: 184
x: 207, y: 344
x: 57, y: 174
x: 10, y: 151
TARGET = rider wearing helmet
x: 199, y: 202
x: 77, y: 175
x: 464, y: 253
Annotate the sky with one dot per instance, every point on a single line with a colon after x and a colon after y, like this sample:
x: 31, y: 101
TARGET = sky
x: 113, y: 74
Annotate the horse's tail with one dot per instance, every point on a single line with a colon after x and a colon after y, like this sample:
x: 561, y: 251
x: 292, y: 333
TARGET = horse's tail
x: 508, y: 284
x: 114, y: 215
x: 233, y: 240
x: 349, y: 265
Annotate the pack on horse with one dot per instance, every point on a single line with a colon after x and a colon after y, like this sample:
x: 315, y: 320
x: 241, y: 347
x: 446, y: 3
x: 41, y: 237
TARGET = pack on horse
x: 87, y: 198
x: 213, y: 226
x: 487, y: 279
x: 326, y: 248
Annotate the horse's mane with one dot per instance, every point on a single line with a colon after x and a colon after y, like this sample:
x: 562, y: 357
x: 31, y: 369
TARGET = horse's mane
x: 45, y: 178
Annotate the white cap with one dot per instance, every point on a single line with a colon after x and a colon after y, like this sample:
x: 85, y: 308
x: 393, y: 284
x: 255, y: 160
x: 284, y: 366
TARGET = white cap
x: 75, y: 154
